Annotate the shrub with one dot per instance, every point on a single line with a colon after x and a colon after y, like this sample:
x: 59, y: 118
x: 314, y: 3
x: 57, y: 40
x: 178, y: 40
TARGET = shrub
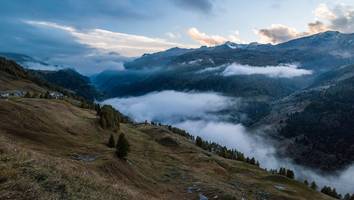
x: 111, y: 142
x: 109, y: 118
x: 122, y: 147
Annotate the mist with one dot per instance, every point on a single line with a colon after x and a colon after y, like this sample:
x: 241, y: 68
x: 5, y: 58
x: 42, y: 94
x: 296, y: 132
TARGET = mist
x: 280, y: 71
x: 199, y: 114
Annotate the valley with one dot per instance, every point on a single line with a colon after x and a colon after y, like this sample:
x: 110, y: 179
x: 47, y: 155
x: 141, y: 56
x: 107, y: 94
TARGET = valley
x: 53, y: 149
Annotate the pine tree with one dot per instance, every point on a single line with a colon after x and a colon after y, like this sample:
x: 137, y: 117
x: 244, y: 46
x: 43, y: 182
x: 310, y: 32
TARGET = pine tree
x: 122, y: 147
x: 47, y: 95
x: 199, y: 141
x: 111, y: 142
x: 109, y: 118
x: 346, y: 196
x: 313, y: 185
x: 253, y: 161
x: 28, y: 95
x: 290, y: 174
x: 306, y: 182
x: 98, y: 109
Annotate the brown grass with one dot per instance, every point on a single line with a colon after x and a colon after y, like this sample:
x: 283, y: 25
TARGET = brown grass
x: 39, y: 137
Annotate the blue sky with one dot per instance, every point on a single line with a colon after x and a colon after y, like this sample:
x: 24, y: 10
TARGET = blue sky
x: 128, y: 28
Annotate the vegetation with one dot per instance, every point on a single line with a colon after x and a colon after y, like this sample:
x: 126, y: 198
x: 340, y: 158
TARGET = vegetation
x: 348, y: 197
x: 314, y: 185
x: 122, y: 146
x: 109, y: 118
x: 111, y: 142
x: 325, y: 128
x: 223, y: 151
x: 331, y: 192
x: 284, y: 172
x: 72, y: 80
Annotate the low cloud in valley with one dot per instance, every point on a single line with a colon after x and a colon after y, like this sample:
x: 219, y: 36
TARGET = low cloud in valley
x: 198, y: 114
x: 280, y: 71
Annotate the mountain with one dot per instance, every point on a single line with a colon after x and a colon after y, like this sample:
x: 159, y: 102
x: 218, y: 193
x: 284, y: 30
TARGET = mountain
x: 316, y: 123
x: 72, y: 80
x: 14, y: 77
x: 309, y: 115
x: 29, y: 62
x: 64, y: 78
x: 320, y: 52
x: 54, y: 149
x: 180, y: 67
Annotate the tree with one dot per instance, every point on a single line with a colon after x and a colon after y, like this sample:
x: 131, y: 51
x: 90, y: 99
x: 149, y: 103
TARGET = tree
x: 253, y: 161
x: 313, y: 185
x: 330, y: 192
x: 199, y: 141
x: 346, y: 196
x: 306, y: 182
x: 109, y: 118
x: 47, y: 95
x: 290, y: 174
x: 122, y: 147
x: 98, y: 109
x: 28, y: 95
x: 111, y: 142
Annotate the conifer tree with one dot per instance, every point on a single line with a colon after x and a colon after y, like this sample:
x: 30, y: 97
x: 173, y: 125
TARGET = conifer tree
x: 122, y: 147
x: 199, y: 141
x: 314, y: 185
x: 111, y: 142
x: 290, y: 174
x: 306, y: 182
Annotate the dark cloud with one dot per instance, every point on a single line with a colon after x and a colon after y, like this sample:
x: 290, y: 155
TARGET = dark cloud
x: 75, y: 12
x: 55, y: 47
x: 205, y: 6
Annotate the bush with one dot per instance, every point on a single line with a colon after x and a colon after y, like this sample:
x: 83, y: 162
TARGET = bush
x: 111, y: 142
x: 330, y: 192
x: 109, y: 118
x: 122, y: 147
x: 314, y: 185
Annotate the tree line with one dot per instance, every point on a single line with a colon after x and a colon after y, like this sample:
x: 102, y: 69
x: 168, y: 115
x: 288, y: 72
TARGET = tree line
x: 110, y: 118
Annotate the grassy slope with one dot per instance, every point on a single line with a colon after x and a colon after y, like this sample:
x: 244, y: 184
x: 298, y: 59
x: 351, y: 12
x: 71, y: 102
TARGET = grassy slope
x: 9, y: 82
x: 39, y: 138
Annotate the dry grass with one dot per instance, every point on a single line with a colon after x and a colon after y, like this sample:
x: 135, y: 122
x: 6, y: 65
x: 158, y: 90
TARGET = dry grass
x: 39, y: 137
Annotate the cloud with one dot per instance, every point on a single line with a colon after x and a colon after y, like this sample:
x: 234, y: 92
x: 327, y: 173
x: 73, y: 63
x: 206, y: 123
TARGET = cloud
x: 91, y: 63
x: 156, y: 106
x: 78, y: 12
x: 277, y: 33
x: 212, y: 40
x: 280, y: 71
x: 205, y: 6
x: 122, y: 43
x: 316, y: 27
x: 40, y: 66
x: 173, y: 35
x: 198, y: 114
x: 322, y: 11
x: 342, y: 19
x: 337, y: 18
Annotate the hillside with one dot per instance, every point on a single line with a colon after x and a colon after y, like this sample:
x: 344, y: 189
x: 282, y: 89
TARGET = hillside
x: 315, y: 125
x: 201, y: 68
x: 72, y: 80
x: 53, y: 150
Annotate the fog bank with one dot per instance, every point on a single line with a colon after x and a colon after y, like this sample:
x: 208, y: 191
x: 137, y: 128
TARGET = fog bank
x: 198, y: 113
x: 280, y: 71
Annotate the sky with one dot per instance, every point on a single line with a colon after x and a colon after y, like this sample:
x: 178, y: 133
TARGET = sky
x: 77, y: 32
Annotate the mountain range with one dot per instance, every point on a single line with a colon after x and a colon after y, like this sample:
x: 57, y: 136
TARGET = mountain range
x: 299, y: 93
x: 57, y: 149
x: 288, y: 103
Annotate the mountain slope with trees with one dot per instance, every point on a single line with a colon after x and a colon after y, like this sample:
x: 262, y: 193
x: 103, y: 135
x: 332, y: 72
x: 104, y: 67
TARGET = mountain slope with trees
x: 54, y: 149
